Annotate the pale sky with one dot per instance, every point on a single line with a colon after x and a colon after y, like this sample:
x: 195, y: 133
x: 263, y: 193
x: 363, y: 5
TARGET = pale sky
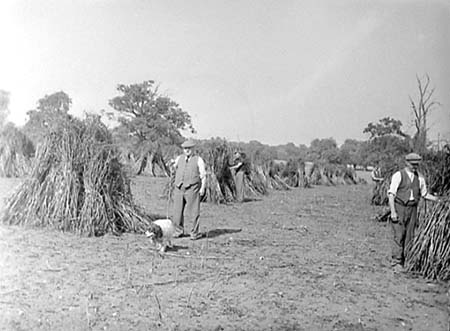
x: 276, y: 71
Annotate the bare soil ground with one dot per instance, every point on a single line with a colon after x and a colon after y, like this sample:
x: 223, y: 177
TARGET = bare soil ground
x: 305, y: 259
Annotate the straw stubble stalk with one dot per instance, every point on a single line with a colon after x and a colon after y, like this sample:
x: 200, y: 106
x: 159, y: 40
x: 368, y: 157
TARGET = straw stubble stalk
x: 429, y: 254
x: 77, y: 184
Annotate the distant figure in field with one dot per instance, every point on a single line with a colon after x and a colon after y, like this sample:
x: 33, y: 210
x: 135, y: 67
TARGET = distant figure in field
x: 406, y: 188
x: 190, y: 186
x: 378, y: 180
x: 240, y: 169
x: 376, y: 174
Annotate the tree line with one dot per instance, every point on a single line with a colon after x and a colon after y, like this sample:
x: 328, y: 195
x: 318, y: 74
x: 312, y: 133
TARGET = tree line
x: 149, y: 120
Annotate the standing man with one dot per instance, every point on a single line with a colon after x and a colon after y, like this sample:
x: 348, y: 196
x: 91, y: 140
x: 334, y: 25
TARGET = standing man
x: 190, y: 186
x: 376, y: 174
x: 378, y: 180
x: 241, y: 168
x: 406, y: 189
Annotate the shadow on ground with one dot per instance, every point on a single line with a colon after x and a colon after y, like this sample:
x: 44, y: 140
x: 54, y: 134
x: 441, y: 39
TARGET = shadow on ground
x: 176, y: 248
x: 250, y: 200
x: 219, y: 232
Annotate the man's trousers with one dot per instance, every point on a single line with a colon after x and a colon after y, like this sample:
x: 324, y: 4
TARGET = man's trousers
x: 186, y: 204
x: 403, y: 231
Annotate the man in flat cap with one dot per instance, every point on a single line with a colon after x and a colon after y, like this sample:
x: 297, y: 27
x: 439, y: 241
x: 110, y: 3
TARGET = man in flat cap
x: 406, y: 188
x: 190, y: 186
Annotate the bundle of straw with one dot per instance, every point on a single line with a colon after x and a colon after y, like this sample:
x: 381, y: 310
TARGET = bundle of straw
x: 256, y: 182
x: 77, y: 184
x: 294, y: 174
x: 436, y: 168
x: 379, y: 194
x: 273, y: 173
x: 430, y: 251
x: 320, y: 175
x: 429, y: 254
x: 214, y: 192
x: 339, y: 174
x: 152, y: 162
x: 221, y: 186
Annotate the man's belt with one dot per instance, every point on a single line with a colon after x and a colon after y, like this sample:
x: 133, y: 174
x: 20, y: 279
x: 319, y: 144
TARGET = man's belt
x: 409, y: 203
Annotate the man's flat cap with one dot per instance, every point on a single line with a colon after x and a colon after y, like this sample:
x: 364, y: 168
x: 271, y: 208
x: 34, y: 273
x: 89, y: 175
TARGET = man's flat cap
x: 188, y: 143
x: 413, y: 158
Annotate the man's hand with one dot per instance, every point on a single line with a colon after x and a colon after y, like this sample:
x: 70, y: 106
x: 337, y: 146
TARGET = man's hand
x: 394, y: 215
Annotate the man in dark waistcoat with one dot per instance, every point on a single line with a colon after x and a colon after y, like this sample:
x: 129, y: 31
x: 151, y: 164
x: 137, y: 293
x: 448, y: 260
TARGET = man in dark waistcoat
x: 190, y: 186
x: 406, y: 188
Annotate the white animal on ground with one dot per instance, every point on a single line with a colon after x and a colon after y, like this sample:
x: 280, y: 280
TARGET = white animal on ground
x: 161, y: 233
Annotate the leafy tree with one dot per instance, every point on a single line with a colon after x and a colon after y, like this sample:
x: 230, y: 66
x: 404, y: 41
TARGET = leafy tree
x: 149, y: 117
x: 287, y: 151
x: 58, y: 102
x: 17, y: 141
x: 385, y: 126
x: 4, y: 110
x: 324, y: 150
x: 387, y: 143
x: 350, y: 152
x: 51, y: 109
x: 303, y: 152
x: 385, y: 151
x: 260, y: 153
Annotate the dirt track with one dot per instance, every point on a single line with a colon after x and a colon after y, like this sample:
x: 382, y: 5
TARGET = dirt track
x: 305, y: 259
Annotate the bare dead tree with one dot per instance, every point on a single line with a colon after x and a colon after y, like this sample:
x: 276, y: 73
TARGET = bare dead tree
x: 421, y: 109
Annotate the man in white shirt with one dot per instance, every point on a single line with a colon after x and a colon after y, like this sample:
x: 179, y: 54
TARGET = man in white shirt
x: 190, y: 186
x: 406, y: 188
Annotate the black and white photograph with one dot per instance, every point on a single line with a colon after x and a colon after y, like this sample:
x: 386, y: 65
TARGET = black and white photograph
x: 225, y: 165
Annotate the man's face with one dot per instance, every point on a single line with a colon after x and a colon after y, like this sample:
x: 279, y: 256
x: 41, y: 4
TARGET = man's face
x: 412, y: 165
x: 187, y: 151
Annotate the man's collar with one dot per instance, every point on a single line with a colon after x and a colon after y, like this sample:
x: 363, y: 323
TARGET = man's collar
x: 411, y: 171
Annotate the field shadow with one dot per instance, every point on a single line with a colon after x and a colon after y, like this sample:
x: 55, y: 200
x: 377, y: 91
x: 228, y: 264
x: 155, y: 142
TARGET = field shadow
x: 250, y: 200
x: 176, y: 248
x: 219, y: 232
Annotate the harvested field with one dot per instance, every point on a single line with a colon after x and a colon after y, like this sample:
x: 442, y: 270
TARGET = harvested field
x: 303, y: 259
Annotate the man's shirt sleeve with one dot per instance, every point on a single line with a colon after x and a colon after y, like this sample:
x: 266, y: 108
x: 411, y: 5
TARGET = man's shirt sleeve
x: 423, y: 186
x: 201, y: 168
x: 395, y: 182
x: 175, y: 163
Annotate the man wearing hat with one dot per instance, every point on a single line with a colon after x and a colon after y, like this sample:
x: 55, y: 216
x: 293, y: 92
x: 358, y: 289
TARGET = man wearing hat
x: 190, y: 185
x: 406, y: 188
